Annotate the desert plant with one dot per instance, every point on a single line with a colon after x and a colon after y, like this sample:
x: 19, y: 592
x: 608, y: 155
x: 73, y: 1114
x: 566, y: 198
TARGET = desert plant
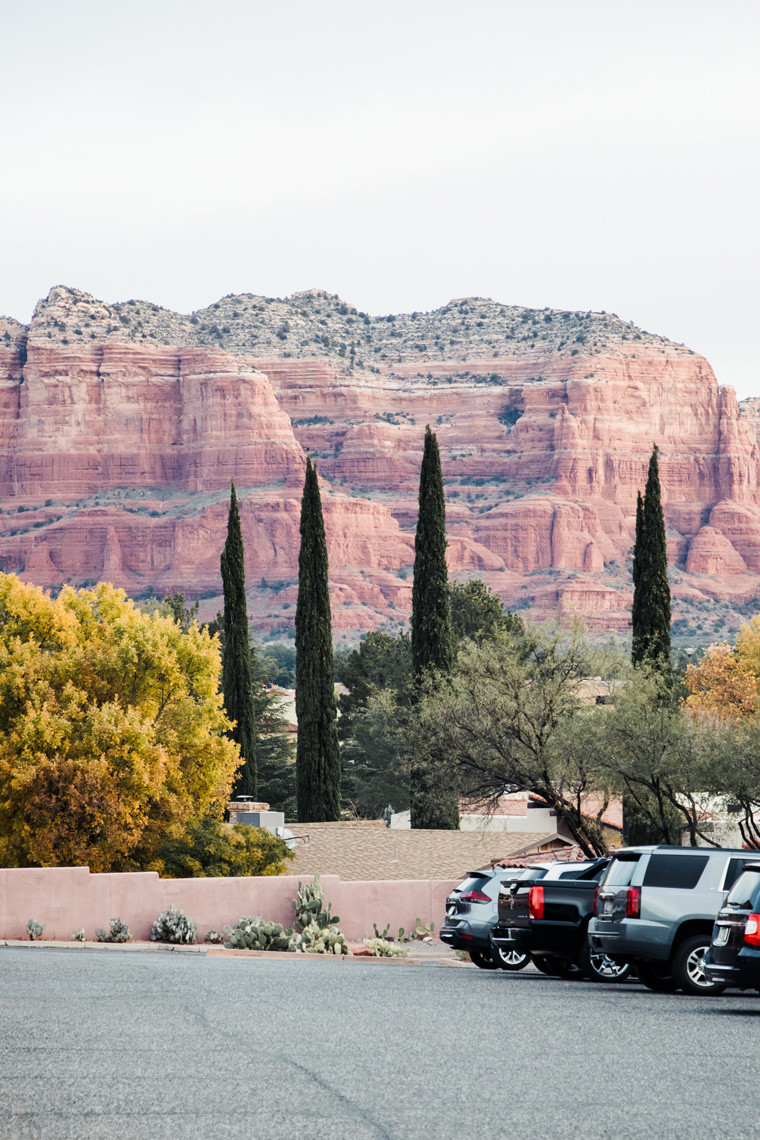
x: 382, y: 948
x: 78, y: 935
x: 173, y: 925
x: 34, y: 930
x: 256, y: 934
x: 214, y: 937
x: 118, y: 931
x: 423, y: 930
x: 320, y: 932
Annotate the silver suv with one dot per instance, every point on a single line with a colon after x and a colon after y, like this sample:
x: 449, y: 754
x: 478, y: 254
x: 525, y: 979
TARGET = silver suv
x: 656, y: 907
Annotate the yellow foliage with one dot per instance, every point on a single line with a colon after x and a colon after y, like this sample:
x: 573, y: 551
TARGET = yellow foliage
x: 725, y: 683
x: 111, y: 728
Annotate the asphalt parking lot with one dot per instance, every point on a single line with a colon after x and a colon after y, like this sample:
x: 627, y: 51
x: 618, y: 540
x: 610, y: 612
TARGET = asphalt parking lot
x: 169, y: 1045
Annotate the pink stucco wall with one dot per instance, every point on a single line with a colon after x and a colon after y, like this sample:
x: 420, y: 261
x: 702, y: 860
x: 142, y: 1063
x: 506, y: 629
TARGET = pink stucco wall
x: 65, y: 899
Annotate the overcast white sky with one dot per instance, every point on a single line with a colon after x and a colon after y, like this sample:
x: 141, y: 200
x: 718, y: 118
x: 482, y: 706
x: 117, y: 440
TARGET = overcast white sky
x: 570, y: 153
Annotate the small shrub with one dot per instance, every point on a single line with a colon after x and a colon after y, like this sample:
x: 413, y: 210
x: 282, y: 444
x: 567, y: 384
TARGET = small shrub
x: 382, y: 948
x: 118, y: 931
x: 78, y: 935
x: 214, y: 937
x: 34, y: 930
x: 174, y: 926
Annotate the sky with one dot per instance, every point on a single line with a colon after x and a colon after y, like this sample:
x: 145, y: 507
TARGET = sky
x: 580, y: 155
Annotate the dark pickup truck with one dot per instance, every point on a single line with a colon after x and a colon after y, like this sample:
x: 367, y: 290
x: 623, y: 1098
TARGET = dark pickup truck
x: 549, y: 920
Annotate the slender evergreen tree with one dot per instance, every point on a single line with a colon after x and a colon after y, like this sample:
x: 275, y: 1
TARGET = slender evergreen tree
x: 237, y: 683
x: 432, y: 803
x: 317, y: 750
x: 650, y: 617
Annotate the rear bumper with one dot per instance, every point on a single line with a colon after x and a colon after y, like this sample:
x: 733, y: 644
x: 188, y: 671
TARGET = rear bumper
x: 743, y: 973
x: 463, y: 938
x: 631, y: 939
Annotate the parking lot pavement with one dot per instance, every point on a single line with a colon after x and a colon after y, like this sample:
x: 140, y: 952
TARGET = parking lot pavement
x: 188, y: 1046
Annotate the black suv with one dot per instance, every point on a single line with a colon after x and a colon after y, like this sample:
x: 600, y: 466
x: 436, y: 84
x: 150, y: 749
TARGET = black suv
x: 733, y: 958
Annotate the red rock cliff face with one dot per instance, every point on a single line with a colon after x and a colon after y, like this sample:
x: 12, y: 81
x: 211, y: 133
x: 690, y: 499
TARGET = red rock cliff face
x: 117, y: 451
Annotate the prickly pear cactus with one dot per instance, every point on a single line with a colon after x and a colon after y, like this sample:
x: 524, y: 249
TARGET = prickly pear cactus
x: 118, y: 931
x: 34, y: 930
x: 173, y: 925
x: 256, y: 934
x: 320, y: 932
x: 382, y: 948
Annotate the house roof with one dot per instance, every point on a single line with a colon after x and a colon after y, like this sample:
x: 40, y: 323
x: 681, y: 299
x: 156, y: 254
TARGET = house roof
x: 364, y: 851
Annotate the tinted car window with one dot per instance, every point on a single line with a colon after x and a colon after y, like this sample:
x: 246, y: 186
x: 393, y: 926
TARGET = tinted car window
x: 620, y: 872
x: 745, y: 890
x: 682, y: 871
x: 474, y: 883
x: 734, y: 870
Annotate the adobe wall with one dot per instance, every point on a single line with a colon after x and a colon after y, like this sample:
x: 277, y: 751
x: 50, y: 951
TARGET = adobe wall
x: 65, y: 899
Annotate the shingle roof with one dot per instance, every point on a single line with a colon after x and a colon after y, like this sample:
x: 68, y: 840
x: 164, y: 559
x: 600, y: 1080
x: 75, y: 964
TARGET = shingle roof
x: 364, y: 851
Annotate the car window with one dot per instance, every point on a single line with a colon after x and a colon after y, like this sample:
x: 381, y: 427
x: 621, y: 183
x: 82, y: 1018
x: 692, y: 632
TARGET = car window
x: 619, y: 873
x: 474, y: 883
x: 734, y: 870
x: 745, y: 890
x: 680, y: 871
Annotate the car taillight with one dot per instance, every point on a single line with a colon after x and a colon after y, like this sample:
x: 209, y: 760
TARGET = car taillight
x: 633, y: 902
x: 596, y: 902
x: 474, y: 896
x: 752, y: 930
x: 536, y: 903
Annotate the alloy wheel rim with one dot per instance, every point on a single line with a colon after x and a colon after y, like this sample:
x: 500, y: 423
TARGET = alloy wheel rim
x: 606, y: 967
x: 695, y: 967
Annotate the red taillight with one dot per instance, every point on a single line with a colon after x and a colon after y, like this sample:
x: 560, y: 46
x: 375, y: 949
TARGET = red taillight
x: 752, y: 930
x: 633, y: 902
x: 536, y: 903
x: 596, y: 902
x: 474, y: 896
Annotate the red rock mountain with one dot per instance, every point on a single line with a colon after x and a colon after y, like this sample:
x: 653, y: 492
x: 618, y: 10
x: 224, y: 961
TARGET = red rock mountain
x: 122, y: 425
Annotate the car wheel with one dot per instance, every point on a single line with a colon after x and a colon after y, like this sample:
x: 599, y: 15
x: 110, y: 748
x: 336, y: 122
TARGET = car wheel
x: 482, y: 960
x: 656, y: 977
x: 689, y: 970
x: 510, y: 959
x: 599, y: 967
x: 564, y: 968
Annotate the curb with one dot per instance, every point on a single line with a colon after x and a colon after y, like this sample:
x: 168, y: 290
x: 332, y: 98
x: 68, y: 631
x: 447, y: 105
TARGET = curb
x: 209, y: 950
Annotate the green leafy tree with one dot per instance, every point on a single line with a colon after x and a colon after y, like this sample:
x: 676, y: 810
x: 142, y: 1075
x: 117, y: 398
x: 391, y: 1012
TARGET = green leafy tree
x: 432, y: 805
x: 209, y: 848
x: 650, y: 617
x: 497, y: 723
x: 317, y: 750
x: 275, y: 747
x: 477, y: 612
x: 174, y: 606
x: 237, y: 685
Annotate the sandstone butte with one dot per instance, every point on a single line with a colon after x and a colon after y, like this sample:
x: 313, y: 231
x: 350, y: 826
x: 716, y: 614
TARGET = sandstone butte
x: 121, y: 427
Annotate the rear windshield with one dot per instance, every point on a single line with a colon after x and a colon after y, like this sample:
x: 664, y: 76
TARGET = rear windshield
x: 620, y: 872
x: 734, y: 870
x: 681, y: 871
x: 474, y: 883
x: 745, y: 890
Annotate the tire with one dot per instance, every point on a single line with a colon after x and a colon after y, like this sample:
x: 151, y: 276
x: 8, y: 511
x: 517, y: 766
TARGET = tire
x: 656, y: 977
x: 598, y: 967
x: 556, y: 967
x: 482, y: 959
x: 688, y: 971
x: 564, y: 968
x: 510, y: 959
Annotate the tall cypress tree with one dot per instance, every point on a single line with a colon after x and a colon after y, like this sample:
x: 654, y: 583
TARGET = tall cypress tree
x: 317, y: 751
x: 650, y: 617
x: 432, y: 804
x: 237, y: 683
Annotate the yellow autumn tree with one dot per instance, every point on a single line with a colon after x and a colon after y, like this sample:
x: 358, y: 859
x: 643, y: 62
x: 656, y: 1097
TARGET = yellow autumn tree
x: 112, y: 729
x: 726, y: 682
